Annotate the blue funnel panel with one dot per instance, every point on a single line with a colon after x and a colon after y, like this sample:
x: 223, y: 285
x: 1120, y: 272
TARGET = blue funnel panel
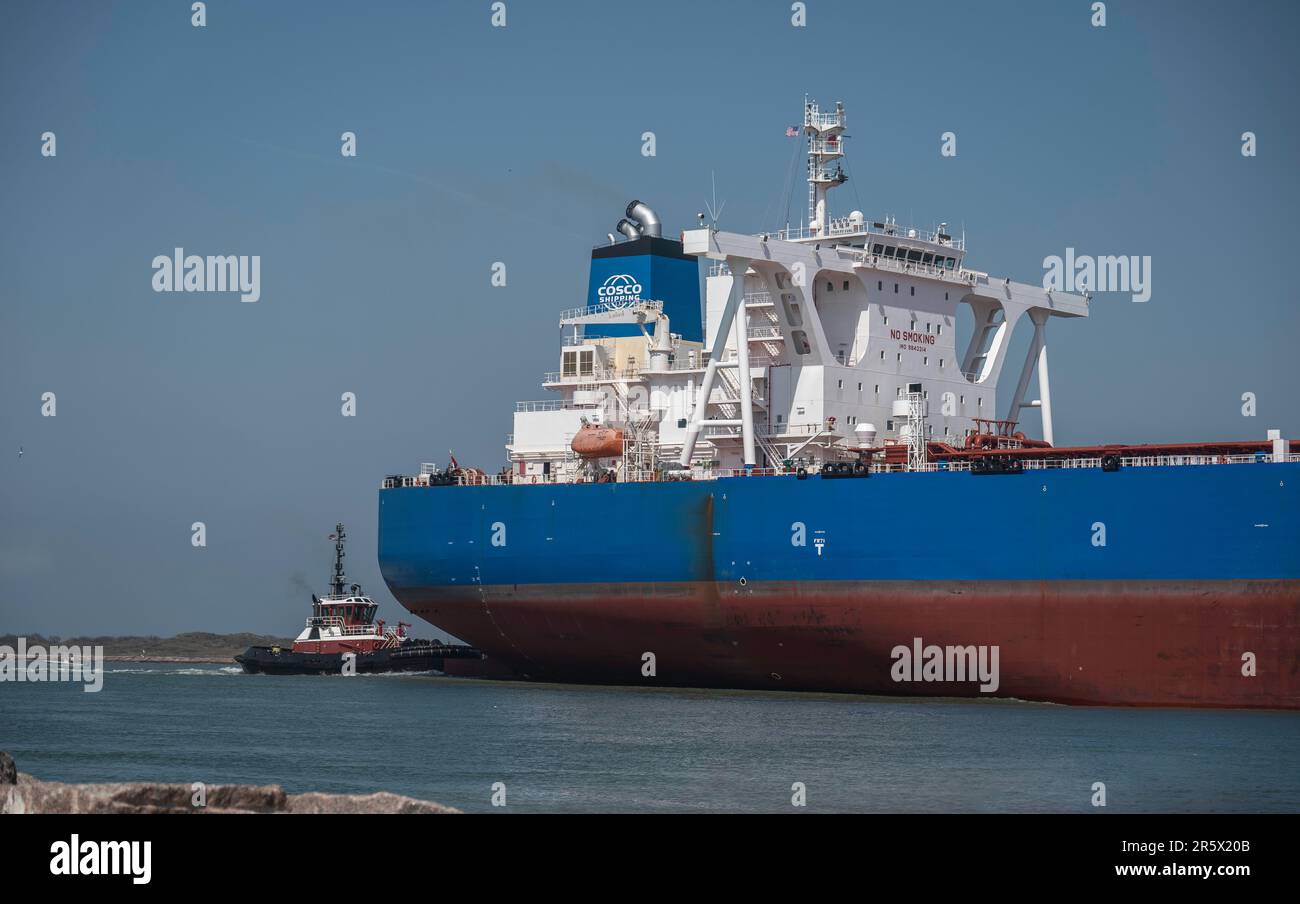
x: 650, y: 268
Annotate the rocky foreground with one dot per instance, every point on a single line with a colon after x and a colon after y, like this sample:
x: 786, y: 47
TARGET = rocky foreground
x: 21, y: 793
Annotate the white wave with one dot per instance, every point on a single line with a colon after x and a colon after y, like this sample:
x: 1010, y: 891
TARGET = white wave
x: 178, y: 670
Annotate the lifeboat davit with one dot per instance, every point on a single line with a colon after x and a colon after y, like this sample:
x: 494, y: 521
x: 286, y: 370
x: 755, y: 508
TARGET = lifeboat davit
x: 592, y: 441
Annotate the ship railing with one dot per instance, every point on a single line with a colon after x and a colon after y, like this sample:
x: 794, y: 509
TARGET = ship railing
x: 593, y: 376
x: 1028, y: 464
x: 840, y: 227
x: 878, y: 261
x: 353, y: 630
x: 754, y: 360
x: 609, y: 307
x: 881, y: 262
x: 814, y: 117
x: 1147, y: 461
x: 719, y: 473
x: 686, y: 362
x: 551, y: 405
x: 825, y: 146
x: 334, y: 621
x: 801, y: 430
x: 1128, y: 461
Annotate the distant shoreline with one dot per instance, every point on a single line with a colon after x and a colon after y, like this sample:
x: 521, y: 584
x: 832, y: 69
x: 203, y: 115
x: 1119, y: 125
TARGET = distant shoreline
x: 190, y: 647
x: 139, y: 658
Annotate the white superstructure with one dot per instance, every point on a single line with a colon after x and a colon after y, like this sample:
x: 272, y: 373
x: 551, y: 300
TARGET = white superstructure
x: 819, y: 341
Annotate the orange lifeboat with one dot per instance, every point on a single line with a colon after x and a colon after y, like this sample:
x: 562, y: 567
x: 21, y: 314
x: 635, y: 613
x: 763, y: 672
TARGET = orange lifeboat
x: 598, y: 442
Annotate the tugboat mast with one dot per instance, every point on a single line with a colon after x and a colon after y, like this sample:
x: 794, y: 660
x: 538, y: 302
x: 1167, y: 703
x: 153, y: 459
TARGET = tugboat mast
x: 338, y: 581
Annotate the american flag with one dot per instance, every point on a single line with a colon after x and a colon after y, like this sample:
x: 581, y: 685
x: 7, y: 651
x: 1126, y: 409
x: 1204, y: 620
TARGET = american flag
x: 791, y: 131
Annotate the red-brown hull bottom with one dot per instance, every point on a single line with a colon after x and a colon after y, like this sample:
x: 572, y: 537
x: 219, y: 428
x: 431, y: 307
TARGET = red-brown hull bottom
x: 1139, y: 643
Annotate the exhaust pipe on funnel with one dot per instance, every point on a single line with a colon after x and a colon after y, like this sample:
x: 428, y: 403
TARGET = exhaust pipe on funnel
x: 648, y: 219
x: 628, y: 228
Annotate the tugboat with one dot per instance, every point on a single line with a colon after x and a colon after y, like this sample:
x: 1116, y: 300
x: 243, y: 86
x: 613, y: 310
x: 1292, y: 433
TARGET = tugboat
x: 342, y: 637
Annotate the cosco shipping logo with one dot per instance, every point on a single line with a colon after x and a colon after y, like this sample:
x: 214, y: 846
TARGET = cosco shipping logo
x: 620, y: 289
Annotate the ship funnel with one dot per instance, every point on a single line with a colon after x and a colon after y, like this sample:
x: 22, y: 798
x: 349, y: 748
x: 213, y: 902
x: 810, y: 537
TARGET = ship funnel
x: 648, y: 219
x: 628, y: 228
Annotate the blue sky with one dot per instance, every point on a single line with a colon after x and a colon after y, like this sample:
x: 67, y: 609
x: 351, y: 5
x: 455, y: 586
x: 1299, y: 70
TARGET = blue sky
x: 522, y: 144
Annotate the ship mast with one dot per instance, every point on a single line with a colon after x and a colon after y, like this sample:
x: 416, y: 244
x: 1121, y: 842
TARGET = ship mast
x: 338, y: 581
x: 825, y: 133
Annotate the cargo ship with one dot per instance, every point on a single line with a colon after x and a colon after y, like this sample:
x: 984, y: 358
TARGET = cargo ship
x: 803, y: 481
x: 343, y: 637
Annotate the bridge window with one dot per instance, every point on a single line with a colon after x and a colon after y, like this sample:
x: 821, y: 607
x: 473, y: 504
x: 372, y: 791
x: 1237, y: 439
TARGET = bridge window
x: 914, y: 256
x: 577, y: 363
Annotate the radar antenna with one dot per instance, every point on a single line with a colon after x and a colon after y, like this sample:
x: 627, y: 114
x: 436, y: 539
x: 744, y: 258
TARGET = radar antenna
x: 338, y: 581
x: 825, y: 133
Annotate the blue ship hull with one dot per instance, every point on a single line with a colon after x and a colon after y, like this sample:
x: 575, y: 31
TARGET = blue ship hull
x: 1146, y: 586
